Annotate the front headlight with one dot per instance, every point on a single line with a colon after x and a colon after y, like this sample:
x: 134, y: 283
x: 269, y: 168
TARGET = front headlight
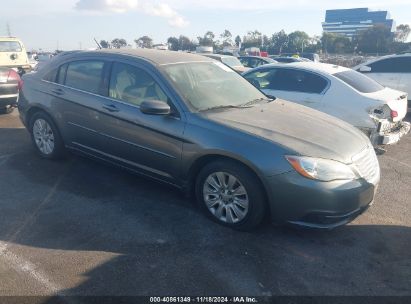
x: 321, y: 169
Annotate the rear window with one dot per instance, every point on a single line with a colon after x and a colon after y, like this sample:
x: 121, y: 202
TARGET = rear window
x: 10, y: 46
x: 359, y: 81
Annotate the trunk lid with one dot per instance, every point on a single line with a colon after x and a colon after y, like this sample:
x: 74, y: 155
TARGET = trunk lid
x: 396, y: 100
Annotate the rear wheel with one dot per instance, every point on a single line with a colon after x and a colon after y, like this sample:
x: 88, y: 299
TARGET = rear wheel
x: 230, y: 194
x: 46, y: 137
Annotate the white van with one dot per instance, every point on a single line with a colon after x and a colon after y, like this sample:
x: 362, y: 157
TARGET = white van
x: 13, y: 55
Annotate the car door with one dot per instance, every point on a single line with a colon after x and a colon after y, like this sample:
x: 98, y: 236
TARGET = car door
x: 386, y: 72
x: 77, y: 96
x: 150, y: 144
x: 299, y: 86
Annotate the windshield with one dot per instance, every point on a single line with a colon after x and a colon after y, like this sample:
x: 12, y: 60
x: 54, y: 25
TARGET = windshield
x: 206, y: 85
x: 270, y: 60
x: 10, y: 46
x: 359, y: 81
x: 231, y: 61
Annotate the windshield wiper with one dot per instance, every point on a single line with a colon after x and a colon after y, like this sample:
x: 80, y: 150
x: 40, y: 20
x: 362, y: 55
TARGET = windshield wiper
x: 254, y: 101
x: 227, y: 106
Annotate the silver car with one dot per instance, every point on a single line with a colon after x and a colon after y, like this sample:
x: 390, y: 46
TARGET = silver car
x: 193, y: 122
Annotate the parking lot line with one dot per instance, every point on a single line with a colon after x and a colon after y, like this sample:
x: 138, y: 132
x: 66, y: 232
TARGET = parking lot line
x: 30, y: 219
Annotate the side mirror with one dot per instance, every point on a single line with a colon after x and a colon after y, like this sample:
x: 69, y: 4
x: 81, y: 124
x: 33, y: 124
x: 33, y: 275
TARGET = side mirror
x: 155, y: 107
x: 365, y: 69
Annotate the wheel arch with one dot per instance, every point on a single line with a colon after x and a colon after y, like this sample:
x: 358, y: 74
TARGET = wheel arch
x: 35, y: 109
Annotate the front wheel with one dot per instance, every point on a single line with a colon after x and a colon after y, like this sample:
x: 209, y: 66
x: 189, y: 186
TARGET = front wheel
x: 230, y: 194
x: 46, y: 137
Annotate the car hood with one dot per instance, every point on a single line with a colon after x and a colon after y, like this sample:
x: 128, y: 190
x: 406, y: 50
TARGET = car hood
x: 297, y: 128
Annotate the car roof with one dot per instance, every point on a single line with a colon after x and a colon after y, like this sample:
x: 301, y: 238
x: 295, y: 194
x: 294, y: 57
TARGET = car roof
x: 158, y: 57
x: 323, y: 68
x: 215, y: 55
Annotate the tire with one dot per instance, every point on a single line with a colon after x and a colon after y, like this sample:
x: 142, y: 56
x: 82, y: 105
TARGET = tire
x: 227, y: 207
x: 51, y: 146
x: 6, y: 110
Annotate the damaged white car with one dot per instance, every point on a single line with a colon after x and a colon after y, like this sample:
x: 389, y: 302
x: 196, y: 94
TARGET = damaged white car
x: 338, y: 91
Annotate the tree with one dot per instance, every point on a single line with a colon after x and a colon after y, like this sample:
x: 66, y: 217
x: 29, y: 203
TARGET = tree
x: 375, y: 40
x: 173, y: 43
x: 237, y: 41
x: 118, y: 43
x: 144, y: 42
x: 278, y: 42
x: 314, y: 44
x: 207, y: 39
x: 402, y: 32
x: 104, y: 44
x: 184, y: 43
x: 342, y: 44
x: 253, y: 39
x: 265, y: 43
x: 297, y: 41
x: 226, y: 37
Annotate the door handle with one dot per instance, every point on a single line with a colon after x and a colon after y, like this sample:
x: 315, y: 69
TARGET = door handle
x: 58, y: 91
x: 111, y: 108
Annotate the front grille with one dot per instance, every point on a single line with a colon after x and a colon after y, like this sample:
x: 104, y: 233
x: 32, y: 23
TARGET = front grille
x: 367, y: 165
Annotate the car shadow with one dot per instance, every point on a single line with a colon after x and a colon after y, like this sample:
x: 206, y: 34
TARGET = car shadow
x: 159, y: 244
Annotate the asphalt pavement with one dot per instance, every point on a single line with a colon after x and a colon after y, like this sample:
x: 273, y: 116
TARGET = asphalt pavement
x: 79, y: 227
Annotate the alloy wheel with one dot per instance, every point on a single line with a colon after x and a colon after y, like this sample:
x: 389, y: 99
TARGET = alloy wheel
x: 43, y: 136
x: 226, y: 197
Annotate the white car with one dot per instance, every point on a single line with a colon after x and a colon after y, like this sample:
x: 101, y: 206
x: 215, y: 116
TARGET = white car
x: 392, y: 71
x: 338, y: 91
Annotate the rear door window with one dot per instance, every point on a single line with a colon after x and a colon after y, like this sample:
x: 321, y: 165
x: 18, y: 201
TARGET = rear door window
x: 298, y: 81
x: 51, y: 76
x: 61, y: 74
x: 86, y: 76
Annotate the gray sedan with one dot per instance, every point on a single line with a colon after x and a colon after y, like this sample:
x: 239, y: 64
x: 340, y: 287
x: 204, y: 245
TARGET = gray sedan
x: 193, y: 122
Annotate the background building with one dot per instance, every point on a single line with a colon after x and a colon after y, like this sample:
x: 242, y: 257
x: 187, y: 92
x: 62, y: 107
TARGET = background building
x: 349, y: 21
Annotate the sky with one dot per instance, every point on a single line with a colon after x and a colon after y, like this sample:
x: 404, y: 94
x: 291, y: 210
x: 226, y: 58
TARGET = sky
x: 73, y: 24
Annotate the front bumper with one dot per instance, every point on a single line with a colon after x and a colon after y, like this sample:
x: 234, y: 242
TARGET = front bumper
x: 391, y: 133
x: 300, y: 201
